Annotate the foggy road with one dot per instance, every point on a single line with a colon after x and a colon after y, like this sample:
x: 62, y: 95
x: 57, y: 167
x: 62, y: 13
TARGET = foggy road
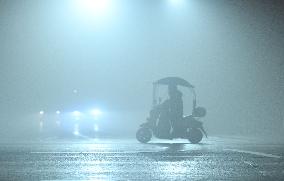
x: 82, y: 69
x: 216, y: 158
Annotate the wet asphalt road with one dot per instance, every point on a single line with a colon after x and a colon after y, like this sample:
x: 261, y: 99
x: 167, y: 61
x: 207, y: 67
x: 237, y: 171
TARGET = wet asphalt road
x: 216, y: 158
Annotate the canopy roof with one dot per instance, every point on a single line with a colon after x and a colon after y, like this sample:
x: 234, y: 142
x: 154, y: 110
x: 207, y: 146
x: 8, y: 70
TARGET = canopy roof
x: 173, y: 81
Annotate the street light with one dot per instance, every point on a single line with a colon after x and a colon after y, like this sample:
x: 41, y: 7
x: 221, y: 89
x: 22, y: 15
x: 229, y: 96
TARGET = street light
x: 90, y: 9
x: 176, y: 2
x: 41, y: 112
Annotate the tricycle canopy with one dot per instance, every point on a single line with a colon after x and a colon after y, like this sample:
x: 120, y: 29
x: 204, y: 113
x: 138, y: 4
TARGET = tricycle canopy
x: 173, y: 81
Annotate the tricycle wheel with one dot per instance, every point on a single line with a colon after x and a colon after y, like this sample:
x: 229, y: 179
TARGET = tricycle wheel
x: 194, y: 136
x: 144, y: 135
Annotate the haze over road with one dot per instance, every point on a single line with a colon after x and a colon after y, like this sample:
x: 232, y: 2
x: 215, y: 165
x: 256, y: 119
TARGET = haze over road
x: 216, y: 158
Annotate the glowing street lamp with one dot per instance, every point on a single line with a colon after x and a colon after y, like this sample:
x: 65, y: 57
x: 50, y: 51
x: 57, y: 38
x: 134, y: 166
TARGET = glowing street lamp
x: 41, y: 112
x: 92, y: 9
x: 176, y: 2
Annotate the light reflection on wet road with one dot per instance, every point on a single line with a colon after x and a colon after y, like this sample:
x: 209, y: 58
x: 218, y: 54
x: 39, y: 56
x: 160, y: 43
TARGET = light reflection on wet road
x: 214, y: 159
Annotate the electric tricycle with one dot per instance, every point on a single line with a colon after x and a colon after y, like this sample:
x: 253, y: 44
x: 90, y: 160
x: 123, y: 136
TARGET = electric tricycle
x: 163, y: 125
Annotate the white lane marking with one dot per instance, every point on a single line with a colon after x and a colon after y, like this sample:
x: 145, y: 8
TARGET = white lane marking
x: 254, y: 153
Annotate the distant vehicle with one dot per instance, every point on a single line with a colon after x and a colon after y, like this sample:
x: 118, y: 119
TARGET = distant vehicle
x: 159, y: 123
x: 70, y: 124
x: 81, y: 123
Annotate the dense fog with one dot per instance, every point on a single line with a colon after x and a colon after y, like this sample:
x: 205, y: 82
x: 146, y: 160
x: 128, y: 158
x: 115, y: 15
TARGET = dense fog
x: 58, y: 56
